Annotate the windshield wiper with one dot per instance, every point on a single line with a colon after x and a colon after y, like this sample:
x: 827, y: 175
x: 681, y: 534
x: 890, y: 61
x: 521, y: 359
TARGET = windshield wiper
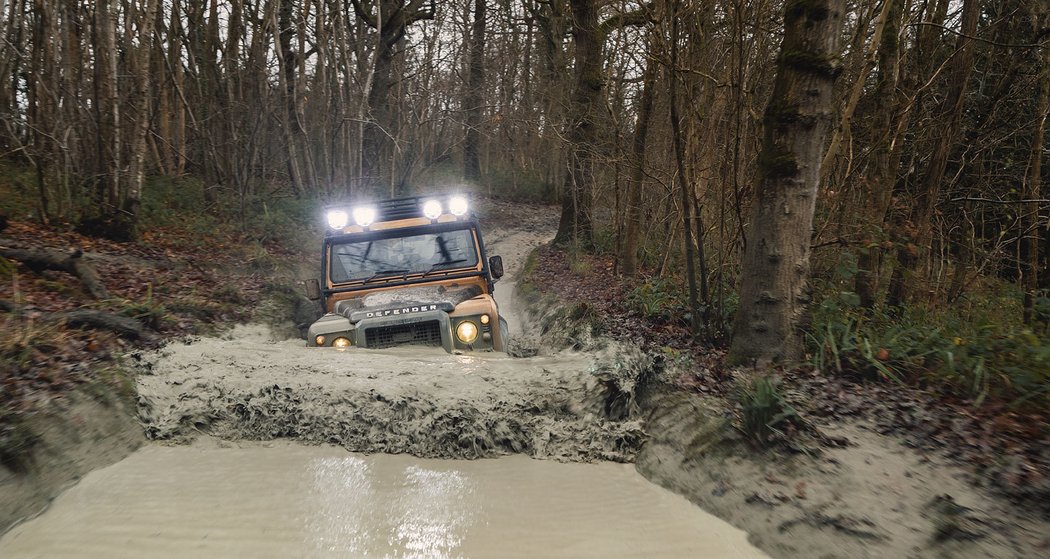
x: 387, y: 272
x: 435, y: 267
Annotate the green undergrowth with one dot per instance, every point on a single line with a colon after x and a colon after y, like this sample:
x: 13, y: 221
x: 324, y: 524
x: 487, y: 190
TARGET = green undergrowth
x: 763, y: 409
x: 666, y: 301
x: 975, y: 350
x: 176, y: 210
x: 660, y: 300
x: 527, y: 286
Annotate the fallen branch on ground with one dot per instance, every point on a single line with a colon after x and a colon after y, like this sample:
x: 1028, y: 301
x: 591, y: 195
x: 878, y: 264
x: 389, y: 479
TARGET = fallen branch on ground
x: 73, y: 263
x: 124, y: 326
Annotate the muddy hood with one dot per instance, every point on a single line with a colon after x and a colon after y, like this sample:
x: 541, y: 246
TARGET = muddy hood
x: 437, y: 297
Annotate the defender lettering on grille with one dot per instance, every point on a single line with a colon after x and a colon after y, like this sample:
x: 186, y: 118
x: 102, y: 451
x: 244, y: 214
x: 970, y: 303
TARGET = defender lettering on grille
x: 405, y: 310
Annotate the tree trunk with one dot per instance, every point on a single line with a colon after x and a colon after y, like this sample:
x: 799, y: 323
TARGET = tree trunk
x: 684, y: 184
x: 1034, y: 177
x: 137, y: 146
x: 472, y: 99
x: 633, y: 225
x: 774, y: 293
x: 918, y: 228
x: 885, y: 159
x: 390, y: 21
x: 107, y: 102
x: 285, y: 32
x: 576, y: 226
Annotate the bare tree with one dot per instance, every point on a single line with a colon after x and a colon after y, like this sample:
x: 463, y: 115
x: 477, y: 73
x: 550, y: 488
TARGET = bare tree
x: 774, y: 292
x: 472, y: 98
x: 589, y: 34
x: 390, y: 19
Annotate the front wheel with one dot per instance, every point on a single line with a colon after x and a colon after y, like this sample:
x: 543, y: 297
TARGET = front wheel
x: 504, y: 334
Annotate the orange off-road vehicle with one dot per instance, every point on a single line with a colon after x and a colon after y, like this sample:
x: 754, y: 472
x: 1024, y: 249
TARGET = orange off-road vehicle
x: 407, y: 271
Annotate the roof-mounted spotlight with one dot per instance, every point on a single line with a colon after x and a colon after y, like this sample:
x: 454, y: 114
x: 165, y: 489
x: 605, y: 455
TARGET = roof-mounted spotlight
x: 337, y: 219
x: 458, y: 206
x: 364, y: 215
x: 432, y: 209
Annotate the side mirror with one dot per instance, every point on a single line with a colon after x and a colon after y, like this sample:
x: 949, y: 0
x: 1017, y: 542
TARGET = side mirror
x: 313, y: 290
x: 496, y: 267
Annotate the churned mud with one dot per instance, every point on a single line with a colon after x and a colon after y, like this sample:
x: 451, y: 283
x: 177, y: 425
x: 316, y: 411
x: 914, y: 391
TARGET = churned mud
x: 404, y: 400
x: 254, y: 385
x: 246, y: 385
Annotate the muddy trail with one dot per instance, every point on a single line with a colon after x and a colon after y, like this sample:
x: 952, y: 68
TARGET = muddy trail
x: 246, y: 486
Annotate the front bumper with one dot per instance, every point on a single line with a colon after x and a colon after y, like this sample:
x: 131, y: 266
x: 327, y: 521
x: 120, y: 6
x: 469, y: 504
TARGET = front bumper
x: 430, y: 328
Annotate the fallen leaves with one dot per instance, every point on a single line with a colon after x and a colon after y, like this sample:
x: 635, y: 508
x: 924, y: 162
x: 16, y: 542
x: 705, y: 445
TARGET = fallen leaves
x: 175, y: 284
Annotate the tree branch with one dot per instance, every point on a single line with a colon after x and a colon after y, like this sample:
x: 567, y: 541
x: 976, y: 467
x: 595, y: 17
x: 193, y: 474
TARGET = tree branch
x: 994, y: 201
x: 635, y: 18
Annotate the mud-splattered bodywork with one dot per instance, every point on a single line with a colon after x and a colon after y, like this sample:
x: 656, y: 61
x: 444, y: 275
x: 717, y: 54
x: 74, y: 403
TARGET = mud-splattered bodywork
x: 441, y: 301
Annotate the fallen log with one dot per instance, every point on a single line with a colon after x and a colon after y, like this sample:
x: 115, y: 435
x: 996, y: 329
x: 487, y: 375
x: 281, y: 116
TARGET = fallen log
x: 72, y: 263
x: 124, y: 326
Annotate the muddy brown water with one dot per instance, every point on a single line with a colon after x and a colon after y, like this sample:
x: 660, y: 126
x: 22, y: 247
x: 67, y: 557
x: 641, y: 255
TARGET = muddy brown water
x: 282, y: 499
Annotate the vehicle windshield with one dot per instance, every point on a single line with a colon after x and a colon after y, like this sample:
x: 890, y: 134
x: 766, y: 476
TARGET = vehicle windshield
x: 382, y: 258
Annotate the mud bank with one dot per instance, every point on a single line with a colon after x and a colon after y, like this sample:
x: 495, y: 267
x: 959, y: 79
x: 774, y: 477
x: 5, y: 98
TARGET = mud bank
x: 870, y: 497
x: 88, y: 428
x: 420, y: 401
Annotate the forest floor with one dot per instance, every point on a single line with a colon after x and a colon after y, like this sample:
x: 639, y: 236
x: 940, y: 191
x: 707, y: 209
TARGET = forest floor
x: 865, y: 468
x: 871, y: 470
x: 1006, y: 451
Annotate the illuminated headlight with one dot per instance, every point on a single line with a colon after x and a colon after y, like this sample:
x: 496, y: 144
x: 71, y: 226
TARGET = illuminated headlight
x: 364, y: 216
x: 341, y: 343
x: 457, y: 205
x: 484, y: 319
x: 432, y: 209
x: 319, y: 340
x: 467, y: 332
x: 337, y: 219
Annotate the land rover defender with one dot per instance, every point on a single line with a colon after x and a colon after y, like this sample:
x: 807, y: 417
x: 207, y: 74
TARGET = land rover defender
x: 407, y: 271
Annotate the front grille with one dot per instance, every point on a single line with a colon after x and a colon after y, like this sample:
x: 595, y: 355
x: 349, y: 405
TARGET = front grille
x: 416, y: 333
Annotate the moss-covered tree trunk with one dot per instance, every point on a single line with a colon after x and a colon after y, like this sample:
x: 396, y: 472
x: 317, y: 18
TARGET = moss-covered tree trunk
x: 774, y: 294
x: 472, y: 99
x: 575, y: 226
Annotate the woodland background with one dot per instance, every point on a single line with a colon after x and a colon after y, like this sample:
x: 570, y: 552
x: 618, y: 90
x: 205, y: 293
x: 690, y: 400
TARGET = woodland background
x: 930, y: 240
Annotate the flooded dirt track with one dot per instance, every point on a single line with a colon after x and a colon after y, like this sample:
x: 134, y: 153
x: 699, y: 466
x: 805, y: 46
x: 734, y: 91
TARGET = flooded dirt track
x: 263, y: 448
x: 280, y: 499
